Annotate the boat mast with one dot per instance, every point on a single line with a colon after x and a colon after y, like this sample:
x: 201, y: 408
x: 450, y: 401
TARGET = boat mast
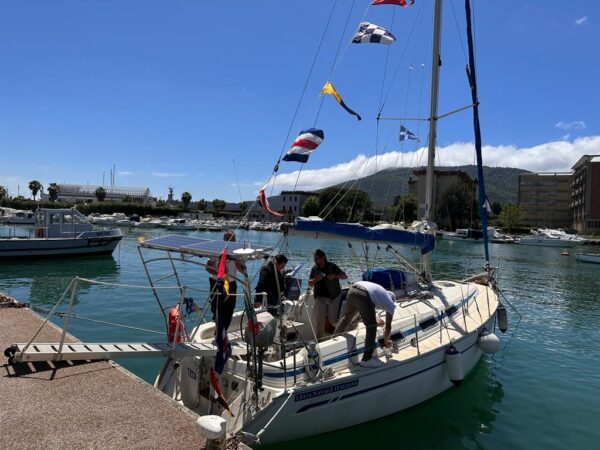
x: 435, y: 82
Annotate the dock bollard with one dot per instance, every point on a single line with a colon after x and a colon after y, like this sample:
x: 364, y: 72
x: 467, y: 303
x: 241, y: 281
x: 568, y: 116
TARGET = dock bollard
x: 213, y: 428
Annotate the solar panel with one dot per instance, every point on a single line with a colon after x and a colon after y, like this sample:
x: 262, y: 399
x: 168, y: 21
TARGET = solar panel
x: 205, y: 247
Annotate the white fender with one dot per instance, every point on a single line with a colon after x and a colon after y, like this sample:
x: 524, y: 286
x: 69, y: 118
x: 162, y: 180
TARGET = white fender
x: 488, y: 342
x: 454, y: 365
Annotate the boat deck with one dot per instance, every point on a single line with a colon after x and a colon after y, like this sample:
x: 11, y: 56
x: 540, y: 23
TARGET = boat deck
x: 82, y: 405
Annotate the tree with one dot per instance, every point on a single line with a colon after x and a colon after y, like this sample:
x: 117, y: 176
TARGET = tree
x: 3, y: 192
x: 496, y: 209
x: 456, y: 205
x: 100, y: 194
x: 311, y: 206
x: 35, y: 186
x: 511, y: 217
x: 53, y: 189
x: 346, y: 205
x: 186, y: 199
x: 405, y: 208
x: 127, y: 199
x: 201, y: 204
x: 244, y: 207
x: 219, y: 204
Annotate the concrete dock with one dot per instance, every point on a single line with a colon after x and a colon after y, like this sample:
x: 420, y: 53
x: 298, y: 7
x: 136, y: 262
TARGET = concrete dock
x: 82, y: 405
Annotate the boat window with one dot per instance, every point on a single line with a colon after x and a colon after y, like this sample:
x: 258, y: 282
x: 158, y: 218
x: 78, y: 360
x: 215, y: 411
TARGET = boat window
x: 67, y: 218
x: 54, y: 219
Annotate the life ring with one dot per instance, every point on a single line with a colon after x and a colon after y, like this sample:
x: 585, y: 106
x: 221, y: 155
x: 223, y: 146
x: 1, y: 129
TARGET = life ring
x: 172, y: 332
x: 39, y: 232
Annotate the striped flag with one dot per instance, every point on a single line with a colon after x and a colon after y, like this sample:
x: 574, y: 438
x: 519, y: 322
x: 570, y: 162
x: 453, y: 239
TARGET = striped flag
x: 262, y: 198
x: 304, y: 145
x: 329, y: 89
x: 406, y: 134
x: 369, y: 33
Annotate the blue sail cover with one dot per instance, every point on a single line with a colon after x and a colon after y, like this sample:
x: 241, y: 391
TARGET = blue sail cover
x: 356, y: 232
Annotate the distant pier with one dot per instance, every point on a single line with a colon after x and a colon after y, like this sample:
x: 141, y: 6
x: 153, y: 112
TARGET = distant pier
x: 82, y: 405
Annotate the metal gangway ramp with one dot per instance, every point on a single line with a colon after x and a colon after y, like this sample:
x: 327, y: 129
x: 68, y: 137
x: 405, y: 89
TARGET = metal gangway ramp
x: 104, y: 351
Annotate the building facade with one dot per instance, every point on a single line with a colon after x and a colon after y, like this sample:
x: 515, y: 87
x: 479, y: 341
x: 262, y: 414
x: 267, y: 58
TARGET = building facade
x: 288, y: 202
x: 544, y: 199
x: 585, y: 194
x: 77, y: 193
x: 443, y: 179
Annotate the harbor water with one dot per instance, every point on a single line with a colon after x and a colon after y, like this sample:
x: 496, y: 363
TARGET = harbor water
x: 541, y: 390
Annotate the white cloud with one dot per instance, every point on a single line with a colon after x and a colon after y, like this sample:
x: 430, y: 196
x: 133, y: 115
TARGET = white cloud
x: 577, y: 125
x: 168, y: 174
x: 556, y: 156
x: 125, y: 173
x: 581, y: 21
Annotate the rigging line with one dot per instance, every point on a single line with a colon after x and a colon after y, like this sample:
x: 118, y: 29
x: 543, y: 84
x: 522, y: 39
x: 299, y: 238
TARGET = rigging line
x: 387, y: 195
x: 237, y: 180
x: 335, y: 58
x: 387, y: 57
x: 308, y: 78
x: 298, y: 178
x: 414, y: 26
x: 459, y: 34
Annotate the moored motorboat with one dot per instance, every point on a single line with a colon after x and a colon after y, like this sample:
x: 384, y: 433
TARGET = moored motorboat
x: 60, y: 232
x: 588, y: 257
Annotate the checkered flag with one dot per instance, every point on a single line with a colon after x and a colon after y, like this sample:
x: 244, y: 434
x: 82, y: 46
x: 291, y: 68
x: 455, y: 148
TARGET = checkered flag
x: 369, y: 33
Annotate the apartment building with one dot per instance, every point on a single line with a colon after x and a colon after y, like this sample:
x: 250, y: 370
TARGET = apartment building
x: 544, y: 199
x: 585, y: 194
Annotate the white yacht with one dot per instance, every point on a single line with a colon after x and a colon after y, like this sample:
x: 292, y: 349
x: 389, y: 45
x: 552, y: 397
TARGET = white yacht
x: 548, y: 237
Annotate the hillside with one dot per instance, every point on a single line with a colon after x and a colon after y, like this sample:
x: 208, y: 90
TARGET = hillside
x: 501, y: 183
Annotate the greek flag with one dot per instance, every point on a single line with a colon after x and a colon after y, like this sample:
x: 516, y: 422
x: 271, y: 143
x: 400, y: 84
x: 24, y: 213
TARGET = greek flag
x: 369, y: 33
x: 406, y: 134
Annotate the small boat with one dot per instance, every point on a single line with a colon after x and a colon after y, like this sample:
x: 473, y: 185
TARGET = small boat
x: 180, y: 224
x: 588, y: 257
x: 467, y: 235
x: 565, y: 254
x: 11, y: 216
x: 61, y: 232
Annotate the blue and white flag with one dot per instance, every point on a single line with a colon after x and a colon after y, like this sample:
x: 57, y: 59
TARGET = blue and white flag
x: 304, y: 144
x: 369, y: 33
x: 406, y: 134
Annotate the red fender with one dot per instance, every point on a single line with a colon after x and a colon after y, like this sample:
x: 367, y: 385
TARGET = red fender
x: 174, y: 319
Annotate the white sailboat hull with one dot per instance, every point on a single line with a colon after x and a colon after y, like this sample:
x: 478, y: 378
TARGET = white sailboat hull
x: 369, y: 395
x: 290, y: 406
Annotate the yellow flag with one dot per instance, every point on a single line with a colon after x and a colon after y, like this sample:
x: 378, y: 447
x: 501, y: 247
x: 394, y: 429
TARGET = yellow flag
x: 330, y: 90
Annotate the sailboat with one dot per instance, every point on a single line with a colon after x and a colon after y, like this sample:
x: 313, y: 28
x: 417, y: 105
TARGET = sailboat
x: 278, y: 382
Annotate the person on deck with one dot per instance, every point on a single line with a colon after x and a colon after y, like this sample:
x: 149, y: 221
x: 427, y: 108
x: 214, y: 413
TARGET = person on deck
x: 364, y: 297
x: 271, y: 284
x: 325, y: 279
x: 218, y: 304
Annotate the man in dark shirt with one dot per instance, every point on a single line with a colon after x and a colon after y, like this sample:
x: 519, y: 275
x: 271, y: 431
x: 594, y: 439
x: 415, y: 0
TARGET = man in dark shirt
x: 271, y: 284
x: 325, y: 279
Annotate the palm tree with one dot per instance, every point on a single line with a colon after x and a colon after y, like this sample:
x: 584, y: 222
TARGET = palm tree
x: 201, y: 204
x: 186, y: 198
x: 3, y: 192
x: 53, y: 189
x: 100, y: 194
x: 35, y: 186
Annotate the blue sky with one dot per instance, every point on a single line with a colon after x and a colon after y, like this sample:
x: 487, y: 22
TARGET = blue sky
x: 200, y: 95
